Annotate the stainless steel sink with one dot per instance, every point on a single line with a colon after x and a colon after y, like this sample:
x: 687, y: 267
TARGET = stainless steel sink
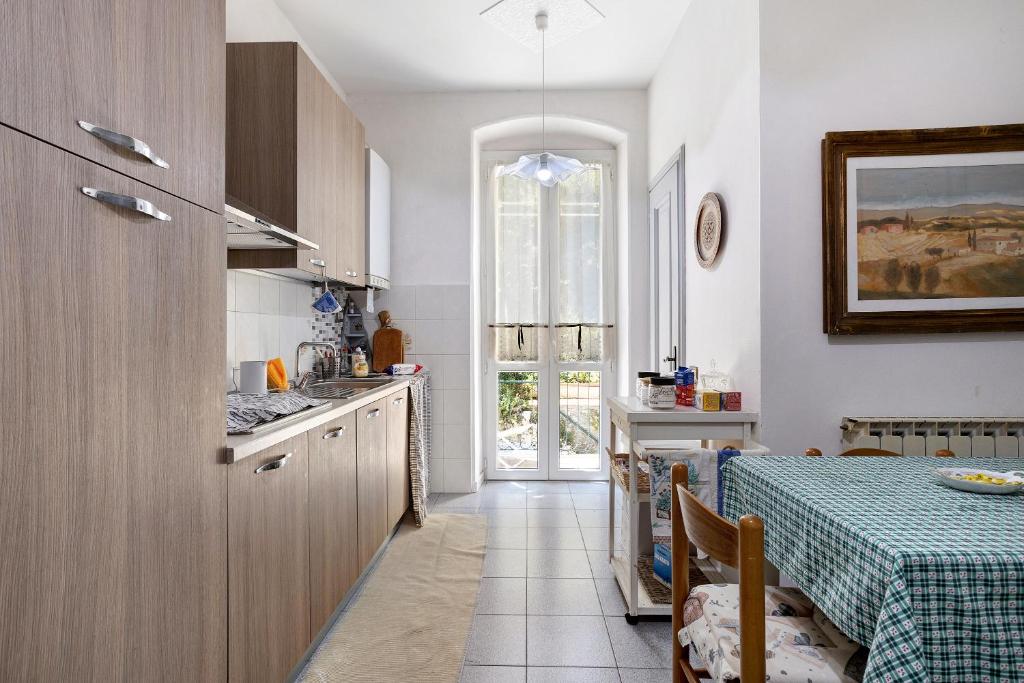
x: 342, y: 388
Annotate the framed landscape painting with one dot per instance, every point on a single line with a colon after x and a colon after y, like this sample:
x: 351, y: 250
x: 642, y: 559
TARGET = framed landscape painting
x: 923, y: 230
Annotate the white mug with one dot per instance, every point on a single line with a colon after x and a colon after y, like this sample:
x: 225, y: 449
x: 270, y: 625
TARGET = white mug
x: 252, y: 377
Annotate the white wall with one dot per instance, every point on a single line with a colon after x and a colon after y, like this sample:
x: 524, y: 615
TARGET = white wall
x: 704, y: 96
x: 427, y: 139
x: 256, y: 21
x: 871, y: 64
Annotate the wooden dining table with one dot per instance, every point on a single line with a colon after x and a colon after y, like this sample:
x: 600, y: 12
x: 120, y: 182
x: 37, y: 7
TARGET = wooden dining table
x: 931, y: 579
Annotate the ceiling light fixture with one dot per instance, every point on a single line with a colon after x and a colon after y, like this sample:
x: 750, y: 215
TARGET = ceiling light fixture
x: 546, y: 168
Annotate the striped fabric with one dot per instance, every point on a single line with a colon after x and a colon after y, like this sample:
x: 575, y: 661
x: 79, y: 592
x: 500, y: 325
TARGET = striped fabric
x: 419, y: 443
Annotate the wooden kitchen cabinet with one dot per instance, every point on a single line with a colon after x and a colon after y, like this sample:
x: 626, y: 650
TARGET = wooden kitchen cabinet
x: 268, y: 562
x: 113, y: 509
x: 372, y: 475
x: 153, y: 71
x: 333, y: 530
x: 398, y: 456
x: 295, y: 154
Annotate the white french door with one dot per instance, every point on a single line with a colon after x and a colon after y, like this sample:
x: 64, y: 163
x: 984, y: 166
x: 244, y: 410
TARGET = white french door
x: 548, y: 283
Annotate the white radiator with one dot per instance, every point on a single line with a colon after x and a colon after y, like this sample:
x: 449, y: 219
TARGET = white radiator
x: 978, y: 437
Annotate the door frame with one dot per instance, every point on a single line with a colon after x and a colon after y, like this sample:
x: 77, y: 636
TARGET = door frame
x: 676, y: 162
x: 547, y: 389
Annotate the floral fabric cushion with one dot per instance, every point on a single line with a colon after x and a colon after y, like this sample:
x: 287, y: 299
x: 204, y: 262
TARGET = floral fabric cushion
x: 801, y: 645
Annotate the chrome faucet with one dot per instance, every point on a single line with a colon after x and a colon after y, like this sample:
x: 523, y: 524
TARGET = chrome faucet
x: 310, y: 345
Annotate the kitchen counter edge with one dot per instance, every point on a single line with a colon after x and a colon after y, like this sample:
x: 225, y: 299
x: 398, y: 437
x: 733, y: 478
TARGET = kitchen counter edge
x: 242, y: 446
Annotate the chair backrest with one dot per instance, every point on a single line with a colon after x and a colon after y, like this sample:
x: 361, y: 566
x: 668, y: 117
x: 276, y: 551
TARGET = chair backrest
x: 874, y: 452
x: 740, y: 546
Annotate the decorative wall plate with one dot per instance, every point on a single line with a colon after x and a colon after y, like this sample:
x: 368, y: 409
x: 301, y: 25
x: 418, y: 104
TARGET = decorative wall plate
x: 708, y: 231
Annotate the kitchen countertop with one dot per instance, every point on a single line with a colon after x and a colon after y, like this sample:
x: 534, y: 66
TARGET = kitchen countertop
x: 241, y: 446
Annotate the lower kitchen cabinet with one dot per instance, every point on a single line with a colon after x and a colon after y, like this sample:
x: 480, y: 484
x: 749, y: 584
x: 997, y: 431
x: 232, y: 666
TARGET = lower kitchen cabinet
x: 398, y: 456
x: 268, y: 562
x: 333, y: 531
x: 372, y: 476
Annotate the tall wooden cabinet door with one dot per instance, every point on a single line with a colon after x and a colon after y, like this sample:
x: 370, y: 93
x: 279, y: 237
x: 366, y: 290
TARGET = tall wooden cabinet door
x: 352, y: 243
x: 152, y: 71
x: 398, y: 456
x: 319, y: 163
x: 371, y: 455
x: 268, y: 562
x: 112, y: 498
x: 333, y: 530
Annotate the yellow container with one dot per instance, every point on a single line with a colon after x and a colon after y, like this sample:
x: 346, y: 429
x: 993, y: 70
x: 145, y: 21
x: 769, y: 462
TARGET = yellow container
x: 710, y: 401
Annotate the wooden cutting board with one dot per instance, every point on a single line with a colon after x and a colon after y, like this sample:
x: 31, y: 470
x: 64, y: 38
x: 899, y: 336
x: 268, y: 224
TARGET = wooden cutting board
x: 387, y: 344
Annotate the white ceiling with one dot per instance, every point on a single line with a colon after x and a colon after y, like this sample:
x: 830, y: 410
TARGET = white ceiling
x: 445, y: 45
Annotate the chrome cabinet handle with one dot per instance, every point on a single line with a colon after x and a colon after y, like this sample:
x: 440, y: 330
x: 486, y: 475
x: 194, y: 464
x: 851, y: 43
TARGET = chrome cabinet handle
x: 334, y: 434
x: 126, y: 202
x: 274, y: 464
x: 126, y: 141
x: 373, y: 413
x: 397, y: 402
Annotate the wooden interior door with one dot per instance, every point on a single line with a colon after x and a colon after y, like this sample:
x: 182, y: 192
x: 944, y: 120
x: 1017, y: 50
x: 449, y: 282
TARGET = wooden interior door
x: 398, y: 456
x: 371, y: 432
x: 112, y: 499
x: 333, y: 530
x: 153, y: 71
x: 268, y: 537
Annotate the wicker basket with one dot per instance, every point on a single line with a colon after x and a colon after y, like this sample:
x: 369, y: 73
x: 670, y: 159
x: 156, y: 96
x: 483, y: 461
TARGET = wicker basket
x: 620, y: 470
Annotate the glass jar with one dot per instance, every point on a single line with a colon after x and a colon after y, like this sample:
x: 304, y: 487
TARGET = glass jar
x: 663, y: 393
x: 643, y: 388
x: 360, y: 368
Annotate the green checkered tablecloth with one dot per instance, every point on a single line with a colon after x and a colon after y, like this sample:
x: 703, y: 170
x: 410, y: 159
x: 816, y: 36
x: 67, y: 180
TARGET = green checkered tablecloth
x: 931, y: 579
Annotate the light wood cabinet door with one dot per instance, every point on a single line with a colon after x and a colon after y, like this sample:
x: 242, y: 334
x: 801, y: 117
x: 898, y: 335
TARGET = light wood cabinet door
x: 153, y: 71
x: 352, y: 241
x: 113, y: 510
x: 333, y: 528
x: 371, y: 456
x: 398, y: 456
x: 268, y: 546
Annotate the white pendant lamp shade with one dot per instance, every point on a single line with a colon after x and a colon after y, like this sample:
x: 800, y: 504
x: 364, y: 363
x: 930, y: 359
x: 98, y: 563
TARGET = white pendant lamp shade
x: 546, y: 168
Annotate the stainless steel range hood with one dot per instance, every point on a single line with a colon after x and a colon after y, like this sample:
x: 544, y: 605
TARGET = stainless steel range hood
x: 246, y: 231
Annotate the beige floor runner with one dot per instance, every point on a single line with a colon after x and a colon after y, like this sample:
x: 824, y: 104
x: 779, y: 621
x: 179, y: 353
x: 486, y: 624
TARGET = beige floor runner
x: 411, y: 621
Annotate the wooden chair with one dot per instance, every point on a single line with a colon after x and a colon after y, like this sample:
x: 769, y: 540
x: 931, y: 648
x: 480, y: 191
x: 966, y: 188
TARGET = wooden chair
x: 874, y: 452
x: 709, y: 613
x: 740, y: 547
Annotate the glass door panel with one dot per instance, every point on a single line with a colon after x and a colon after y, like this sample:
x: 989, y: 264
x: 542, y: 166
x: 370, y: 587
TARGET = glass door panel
x: 579, y: 421
x: 518, y: 432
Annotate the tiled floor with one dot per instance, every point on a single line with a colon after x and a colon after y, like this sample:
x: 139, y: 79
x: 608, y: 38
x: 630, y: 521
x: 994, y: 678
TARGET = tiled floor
x: 549, y: 609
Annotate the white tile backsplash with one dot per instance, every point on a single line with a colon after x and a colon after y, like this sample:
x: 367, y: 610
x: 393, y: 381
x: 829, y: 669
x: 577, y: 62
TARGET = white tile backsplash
x: 270, y: 296
x: 267, y: 317
x: 456, y: 406
x: 247, y: 293
x: 456, y: 302
x: 456, y: 371
x: 430, y: 303
x: 456, y: 442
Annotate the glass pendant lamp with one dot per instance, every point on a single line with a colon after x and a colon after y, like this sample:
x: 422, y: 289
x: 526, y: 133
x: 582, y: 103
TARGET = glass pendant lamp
x: 546, y: 168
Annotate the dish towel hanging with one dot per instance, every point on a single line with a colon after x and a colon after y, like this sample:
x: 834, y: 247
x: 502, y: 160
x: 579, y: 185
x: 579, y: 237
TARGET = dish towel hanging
x: 419, y: 443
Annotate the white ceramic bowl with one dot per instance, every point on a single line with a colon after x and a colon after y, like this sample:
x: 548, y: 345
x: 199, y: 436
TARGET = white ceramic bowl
x: 950, y: 476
